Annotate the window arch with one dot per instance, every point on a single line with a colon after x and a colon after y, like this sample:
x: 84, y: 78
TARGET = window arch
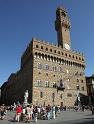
x: 39, y: 66
x: 54, y: 51
x: 37, y: 46
x: 50, y: 50
x: 41, y: 47
x: 46, y: 49
x: 46, y: 83
x: 65, y: 54
x: 69, y: 55
x: 58, y: 52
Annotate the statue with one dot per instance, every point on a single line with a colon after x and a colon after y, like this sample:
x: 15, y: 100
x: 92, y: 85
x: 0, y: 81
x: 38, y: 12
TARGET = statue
x: 79, y: 98
x: 26, y: 97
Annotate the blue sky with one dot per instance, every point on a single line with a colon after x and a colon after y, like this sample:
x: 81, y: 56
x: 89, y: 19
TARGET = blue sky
x: 20, y: 20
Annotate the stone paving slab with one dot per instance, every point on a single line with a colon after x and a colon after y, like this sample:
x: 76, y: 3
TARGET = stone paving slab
x: 66, y: 117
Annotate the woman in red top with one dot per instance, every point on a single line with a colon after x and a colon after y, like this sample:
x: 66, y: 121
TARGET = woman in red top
x: 18, y: 112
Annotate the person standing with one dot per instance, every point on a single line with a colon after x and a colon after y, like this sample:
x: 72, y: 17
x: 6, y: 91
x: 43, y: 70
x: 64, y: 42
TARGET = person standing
x: 92, y: 109
x: 35, y: 114
x: 28, y: 112
x: 53, y: 111
x: 31, y: 111
x: 18, y: 112
x: 2, y: 113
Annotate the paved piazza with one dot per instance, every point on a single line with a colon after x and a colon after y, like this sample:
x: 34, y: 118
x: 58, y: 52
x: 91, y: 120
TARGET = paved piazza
x: 68, y: 117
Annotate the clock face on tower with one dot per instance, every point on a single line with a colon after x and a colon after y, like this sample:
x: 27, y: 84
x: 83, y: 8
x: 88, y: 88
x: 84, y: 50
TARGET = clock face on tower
x: 66, y: 46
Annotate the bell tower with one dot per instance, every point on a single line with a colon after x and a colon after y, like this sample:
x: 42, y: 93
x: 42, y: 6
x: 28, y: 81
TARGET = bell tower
x: 62, y: 26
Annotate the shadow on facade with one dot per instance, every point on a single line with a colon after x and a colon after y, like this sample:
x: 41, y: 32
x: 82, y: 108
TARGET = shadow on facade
x: 84, y: 100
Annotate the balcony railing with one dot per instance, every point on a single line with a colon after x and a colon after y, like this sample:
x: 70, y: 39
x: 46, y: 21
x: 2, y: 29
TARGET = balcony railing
x: 60, y: 88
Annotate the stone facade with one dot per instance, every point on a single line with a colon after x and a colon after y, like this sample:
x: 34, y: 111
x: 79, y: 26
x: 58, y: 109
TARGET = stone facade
x: 90, y: 88
x: 53, y: 65
x: 53, y: 74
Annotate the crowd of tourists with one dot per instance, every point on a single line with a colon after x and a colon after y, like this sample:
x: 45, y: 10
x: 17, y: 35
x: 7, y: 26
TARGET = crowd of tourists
x: 30, y: 112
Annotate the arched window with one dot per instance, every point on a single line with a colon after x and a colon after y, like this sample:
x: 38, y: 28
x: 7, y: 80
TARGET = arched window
x: 37, y: 46
x: 50, y: 50
x: 54, y: 51
x: 61, y: 83
x: 66, y: 54
x: 76, y: 57
x: 47, y: 67
x: 69, y: 55
x: 38, y: 83
x: 39, y: 66
x: 46, y: 83
x: 77, y: 87
x: 58, y: 52
x: 41, y: 47
x: 46, y: 49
